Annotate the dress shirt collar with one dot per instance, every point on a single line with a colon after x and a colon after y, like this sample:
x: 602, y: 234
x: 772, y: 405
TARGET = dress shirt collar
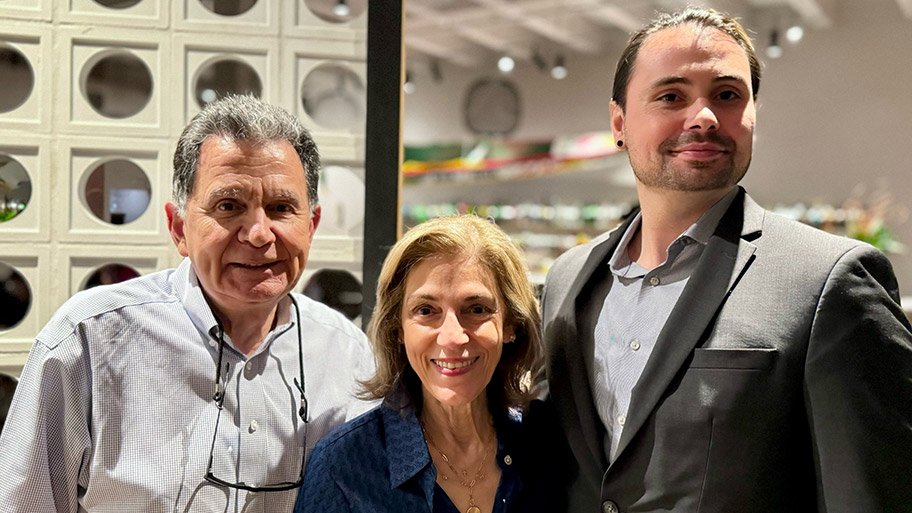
x: 403, y: 435
x: 700, y: 231
x: 408, y: 453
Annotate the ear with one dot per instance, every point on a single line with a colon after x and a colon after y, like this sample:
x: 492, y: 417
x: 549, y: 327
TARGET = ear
x: 617, y: 121
x: 315, y: 216
x: 176, y: 228
x: 509, y: 334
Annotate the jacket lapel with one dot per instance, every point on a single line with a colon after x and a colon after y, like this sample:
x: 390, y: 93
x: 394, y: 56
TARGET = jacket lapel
x: 724, y: 259
x: 569, y: 376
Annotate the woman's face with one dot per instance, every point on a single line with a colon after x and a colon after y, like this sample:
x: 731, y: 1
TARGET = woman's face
x: 453, y: 327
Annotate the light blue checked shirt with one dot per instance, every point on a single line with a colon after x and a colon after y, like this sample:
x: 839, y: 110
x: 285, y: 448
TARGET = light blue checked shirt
x: 634, y: 313
x: 114, y: 411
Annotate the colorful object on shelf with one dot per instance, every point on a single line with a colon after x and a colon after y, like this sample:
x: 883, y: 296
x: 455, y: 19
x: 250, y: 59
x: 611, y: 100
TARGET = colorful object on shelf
x: 862, y: 216
x: 506, y: 160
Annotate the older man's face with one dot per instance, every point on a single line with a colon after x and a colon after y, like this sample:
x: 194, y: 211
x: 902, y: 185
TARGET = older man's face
x: 247, y: 227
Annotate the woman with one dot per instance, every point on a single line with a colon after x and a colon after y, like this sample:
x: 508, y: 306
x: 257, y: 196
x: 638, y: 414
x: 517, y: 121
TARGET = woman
x: 456, y: 334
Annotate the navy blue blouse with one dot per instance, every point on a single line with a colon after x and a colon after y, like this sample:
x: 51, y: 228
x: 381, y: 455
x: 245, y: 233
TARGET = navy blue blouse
x: 379, y: 462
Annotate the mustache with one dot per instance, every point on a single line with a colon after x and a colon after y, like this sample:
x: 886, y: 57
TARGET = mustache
x: 726, y: 143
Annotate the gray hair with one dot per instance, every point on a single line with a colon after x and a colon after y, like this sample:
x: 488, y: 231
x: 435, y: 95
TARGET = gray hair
x: 238, y: 118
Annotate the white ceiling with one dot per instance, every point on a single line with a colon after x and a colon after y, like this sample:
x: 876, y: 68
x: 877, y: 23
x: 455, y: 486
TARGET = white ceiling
x: 475, y: 33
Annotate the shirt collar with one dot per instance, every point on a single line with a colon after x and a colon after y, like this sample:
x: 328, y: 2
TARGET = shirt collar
x: 407, y: 451
x: 703, y: 229
x: 404, y: 437
x: 700, y: 231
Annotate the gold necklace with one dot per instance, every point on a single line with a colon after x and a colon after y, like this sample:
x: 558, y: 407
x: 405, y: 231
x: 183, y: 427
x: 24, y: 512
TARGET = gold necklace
x: 461, y: 474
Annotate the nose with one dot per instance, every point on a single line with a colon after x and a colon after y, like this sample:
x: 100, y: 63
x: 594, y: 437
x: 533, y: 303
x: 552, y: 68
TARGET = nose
x: 703, y: 118
x: 451, y: 332
x: 257, y: 229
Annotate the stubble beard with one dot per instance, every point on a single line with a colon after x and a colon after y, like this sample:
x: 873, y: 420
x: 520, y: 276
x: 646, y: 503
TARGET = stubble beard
x: 694, y: 176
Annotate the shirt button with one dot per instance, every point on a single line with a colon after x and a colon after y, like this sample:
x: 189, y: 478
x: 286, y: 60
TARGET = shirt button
x: 622, y: 419
x: 610, y: 507
x: 249, y: 366
x: 654, y: 281
x: 508, y: 460
x: 254, y: 425
x: 635, y: 345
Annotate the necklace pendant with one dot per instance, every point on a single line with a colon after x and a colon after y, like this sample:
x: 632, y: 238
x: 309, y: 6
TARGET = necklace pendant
x: 473, y: 509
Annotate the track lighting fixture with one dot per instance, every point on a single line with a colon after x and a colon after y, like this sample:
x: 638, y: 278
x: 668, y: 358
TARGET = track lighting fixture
x: 794, y: 33
x: 559, y: 71
x: 436, y: 73
x: 774, y: 51
x: 341, y: 9
x: 506, y: 64
x: 409, y: 86
x: 538, y: 60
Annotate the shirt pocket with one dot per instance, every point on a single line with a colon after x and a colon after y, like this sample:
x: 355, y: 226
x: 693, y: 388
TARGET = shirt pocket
x: 742, y: 358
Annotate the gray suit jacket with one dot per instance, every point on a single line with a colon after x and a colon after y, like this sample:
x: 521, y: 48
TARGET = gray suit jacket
x: 782, y: 380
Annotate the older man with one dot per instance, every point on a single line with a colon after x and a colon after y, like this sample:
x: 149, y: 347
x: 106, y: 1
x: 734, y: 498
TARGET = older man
x: 197, y: 388
x: 708, y: 355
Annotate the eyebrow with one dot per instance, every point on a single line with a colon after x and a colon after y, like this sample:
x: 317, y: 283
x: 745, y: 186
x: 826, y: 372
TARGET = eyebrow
x: 432, y: 297
x: 234, y: 192
x: 286, y: 196
x: 674, y: 80
x: 230, y: 192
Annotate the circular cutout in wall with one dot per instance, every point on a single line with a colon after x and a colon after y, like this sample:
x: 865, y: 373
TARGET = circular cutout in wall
x: 336, y: 11
x: 17, y: 79
x: 228, y: 8
x: 117, y: 4
x: 15, y: 188
x: 225, y: 76
x: 337, y: 289
x: 334, y: 97
x: 117, y: 191
x: 15, y: 297
x: 109, y: 274
x: 117, y: 84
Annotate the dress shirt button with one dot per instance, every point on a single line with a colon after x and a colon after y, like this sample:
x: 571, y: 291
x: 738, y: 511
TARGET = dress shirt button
x: 254, y: 425
x: 635, y: 345
x: 508, y: 460
x: 654, y: 281
x: 622, y: 419
x: 248, y: 367
x: 610, y: 507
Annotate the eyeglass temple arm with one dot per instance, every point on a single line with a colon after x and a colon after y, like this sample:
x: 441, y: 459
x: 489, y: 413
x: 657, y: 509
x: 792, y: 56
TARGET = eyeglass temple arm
x: 302, y: 411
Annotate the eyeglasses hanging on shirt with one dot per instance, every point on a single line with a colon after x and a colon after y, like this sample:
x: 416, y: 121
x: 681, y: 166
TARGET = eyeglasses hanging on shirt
x: 219, y: 398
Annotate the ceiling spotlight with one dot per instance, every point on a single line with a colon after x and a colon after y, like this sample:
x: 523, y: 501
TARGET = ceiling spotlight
x: 794, y: 33
x: 505, y: 64
x: 559, y: 71
x: 341, y: 8
x: 774, y: 51
x: 409, y: 86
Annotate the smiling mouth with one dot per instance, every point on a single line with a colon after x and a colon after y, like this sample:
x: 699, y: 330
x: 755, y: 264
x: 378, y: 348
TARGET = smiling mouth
x: 265, y: 265
x: 454, y: 364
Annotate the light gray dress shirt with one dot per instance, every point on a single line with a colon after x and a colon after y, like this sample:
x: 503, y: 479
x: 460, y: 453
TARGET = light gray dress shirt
x: 633, y: 314
x: 114, y: 411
